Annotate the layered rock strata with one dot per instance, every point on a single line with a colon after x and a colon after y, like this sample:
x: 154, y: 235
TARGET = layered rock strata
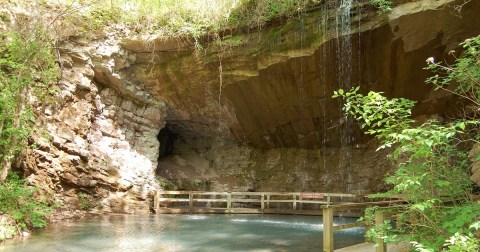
x: 250, y: 112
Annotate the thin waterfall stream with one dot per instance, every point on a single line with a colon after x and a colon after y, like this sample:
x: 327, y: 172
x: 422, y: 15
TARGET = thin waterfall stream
x: 344, y: 76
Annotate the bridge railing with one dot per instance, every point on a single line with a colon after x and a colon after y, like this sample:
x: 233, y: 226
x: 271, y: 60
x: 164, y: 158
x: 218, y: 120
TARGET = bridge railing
x: 325, y: 204
x: 248, y: 202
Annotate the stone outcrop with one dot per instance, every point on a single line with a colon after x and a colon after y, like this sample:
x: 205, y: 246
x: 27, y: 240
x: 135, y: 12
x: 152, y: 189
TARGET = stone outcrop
x: 351, y: 169
x: 474, y: 157
x: 270, y: 93
x: 100, y: 137
x: 253, y: 112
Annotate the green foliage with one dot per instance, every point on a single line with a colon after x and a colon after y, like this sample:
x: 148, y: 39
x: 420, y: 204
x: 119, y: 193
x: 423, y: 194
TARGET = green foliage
x: 380, y: 115
x: 27, y: 67
x: 462, y: 243
x: 257, y: 13
x: 432, y: 171
x: 465, y: 72
x: 87, y: 201
x: 22, y: 204
x: 166, y: 184
x: 187, y: 17
x: 384, y: 6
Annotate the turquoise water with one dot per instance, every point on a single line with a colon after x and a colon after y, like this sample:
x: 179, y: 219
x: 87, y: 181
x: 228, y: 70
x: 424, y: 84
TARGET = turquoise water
x: 211, y: 233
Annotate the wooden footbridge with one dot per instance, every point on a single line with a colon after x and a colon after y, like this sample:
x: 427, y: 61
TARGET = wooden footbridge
x: 301, y: 203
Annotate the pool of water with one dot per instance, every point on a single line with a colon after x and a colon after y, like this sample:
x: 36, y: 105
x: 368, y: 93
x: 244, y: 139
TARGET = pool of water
x: 210, y: 233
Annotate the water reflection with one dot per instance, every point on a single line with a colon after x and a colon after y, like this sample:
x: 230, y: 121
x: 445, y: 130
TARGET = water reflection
x: 185, y: 233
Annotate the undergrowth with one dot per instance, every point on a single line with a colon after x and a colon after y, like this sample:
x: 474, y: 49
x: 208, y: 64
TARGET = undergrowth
x: 195, y: 18
x: 19, y: 201
x: 432, y: 173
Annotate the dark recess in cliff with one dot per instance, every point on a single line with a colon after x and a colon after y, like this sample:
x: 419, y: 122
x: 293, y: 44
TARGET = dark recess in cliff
x: 167, y: 138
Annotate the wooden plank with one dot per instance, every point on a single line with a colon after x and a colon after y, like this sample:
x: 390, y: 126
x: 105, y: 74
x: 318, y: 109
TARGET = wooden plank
x: 210, y: 200
x: 248, y: 193
x: 246, y: 210
x: 172, y: 200
x: 328, y: 230
x: 174, y: 192
x: 263, y: 200
x: 278, y: 211
x: 311, y: 195
x: 206, y: 210
x: 247, y: 200
x: 163, y: 210
x: 279, y: 193
x: 362, y: 204
x: 343, y: 195
x: 312, y: 202
x: 347, y: 226
x: 210, y: 193
x: 346, y: 195
x: 280, y: 201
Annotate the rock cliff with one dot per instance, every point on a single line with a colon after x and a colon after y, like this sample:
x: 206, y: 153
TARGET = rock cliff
x: 252, y: 111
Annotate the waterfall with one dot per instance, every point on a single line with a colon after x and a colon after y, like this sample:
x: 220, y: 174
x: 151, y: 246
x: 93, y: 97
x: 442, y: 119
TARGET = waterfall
x: 344, y: 57
x: 344, y: 44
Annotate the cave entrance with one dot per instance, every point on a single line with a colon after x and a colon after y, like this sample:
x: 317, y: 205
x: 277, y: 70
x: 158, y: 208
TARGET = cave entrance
x: 167, y: 138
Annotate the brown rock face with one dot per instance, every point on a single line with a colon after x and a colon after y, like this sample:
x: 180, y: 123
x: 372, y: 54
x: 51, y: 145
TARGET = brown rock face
x: 253, y: 112
x: 474, y: 158
x: 270, y: 94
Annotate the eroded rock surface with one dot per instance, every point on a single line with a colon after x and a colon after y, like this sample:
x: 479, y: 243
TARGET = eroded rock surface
x: 100, y: 138
x: 474, y: 157
x: 251, y: 113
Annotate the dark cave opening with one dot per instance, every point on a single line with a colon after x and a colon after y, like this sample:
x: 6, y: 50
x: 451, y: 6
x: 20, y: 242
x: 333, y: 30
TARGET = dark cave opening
x: 167, y: 139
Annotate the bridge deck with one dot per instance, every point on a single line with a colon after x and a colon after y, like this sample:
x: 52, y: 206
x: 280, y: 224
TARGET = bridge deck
x: 307, y: 203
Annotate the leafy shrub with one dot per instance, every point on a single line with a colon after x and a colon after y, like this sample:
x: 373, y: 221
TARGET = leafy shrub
x: 432, y: 174
x: 383, y: 5
x: 87, y: 201
x: 20, y: 202
x: 27, y: 68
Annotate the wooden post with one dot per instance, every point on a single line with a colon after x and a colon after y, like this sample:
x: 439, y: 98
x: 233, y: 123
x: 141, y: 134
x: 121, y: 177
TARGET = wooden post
x: 229, y: 202
x: 294, y: 203
x: 367, y: 227
x: 156, y: 203
x: 262, y: 202
x: 382, y: 247
x: 328, y: 229
x: 268, y: 201
x: 301, y: 201
x: 190, y: 201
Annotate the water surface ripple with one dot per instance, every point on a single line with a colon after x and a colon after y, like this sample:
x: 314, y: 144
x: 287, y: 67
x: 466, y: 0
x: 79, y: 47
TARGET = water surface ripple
x: 212, y: 233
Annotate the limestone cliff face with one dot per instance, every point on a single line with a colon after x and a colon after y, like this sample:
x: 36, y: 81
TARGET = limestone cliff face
x: 100, y: 138
x: 252, y: 112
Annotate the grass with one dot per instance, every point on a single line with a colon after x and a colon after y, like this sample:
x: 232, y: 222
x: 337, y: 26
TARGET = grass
x: 182, y: 17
